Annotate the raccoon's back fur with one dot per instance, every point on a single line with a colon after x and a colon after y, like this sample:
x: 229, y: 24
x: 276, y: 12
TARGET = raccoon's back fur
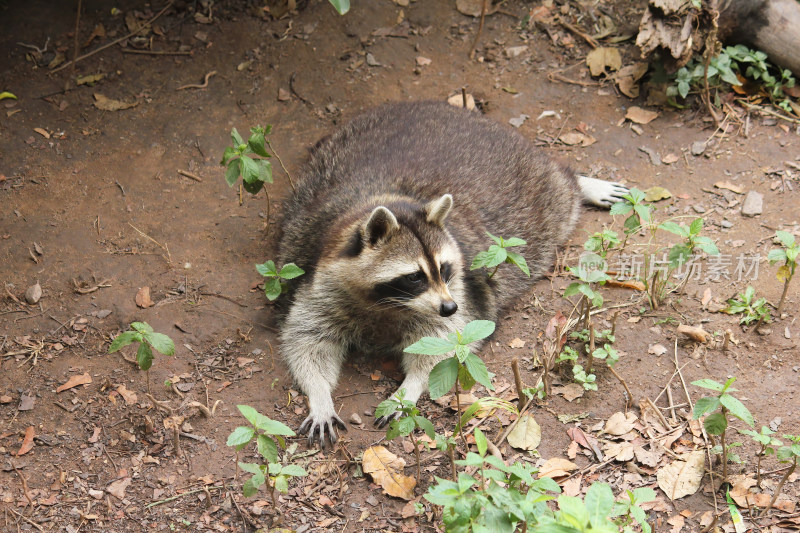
x: 374, y: 201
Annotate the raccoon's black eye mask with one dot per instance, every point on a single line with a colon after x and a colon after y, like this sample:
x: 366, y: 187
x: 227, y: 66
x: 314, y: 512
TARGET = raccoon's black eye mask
x: 402, y: 287
x: 446, y: 271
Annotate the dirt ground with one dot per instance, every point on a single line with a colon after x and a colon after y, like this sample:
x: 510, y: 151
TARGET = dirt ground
x: 93, y: 208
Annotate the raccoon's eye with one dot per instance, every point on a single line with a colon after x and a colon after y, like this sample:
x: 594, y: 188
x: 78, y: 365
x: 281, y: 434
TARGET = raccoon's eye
x: 446, y: 271
x: 415, y: 278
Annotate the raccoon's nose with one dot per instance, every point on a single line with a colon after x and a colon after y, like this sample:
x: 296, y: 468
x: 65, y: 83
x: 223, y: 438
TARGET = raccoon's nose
x: 448, y: 308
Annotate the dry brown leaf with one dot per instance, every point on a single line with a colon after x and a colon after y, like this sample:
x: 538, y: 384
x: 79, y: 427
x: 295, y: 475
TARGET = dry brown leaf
x: 746, y: 498
x: 634, y: 284
x: 706, y: 297
x: 621, y: 451
x: 27, y: 441
x: 729, y: 186
x: 628, y: 78
x: 385, y: 469
x: 517, y: 343
x: 556, y: 467
x: 89, y: 79
x: 694, y: 333
x: 108, y: 104
x: 117, y: 488
x: 143, y: 299
x: 601, y: 58
x: 620, y: 423
x: 128, y: 395
x: 677, y: 522
x: 570, y: 392
x: 640, y: 116
x: 682, y: 478
x: 43, y: 132
x: 526, y: 435
x: 74, y: 381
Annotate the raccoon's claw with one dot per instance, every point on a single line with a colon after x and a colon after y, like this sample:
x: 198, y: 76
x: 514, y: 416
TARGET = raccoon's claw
x: 316, y: 429
x: 384, y: 420
x: 601, y: 193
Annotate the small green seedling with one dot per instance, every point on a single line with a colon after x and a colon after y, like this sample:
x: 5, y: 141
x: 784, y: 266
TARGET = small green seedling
x: 767, y: 442
x: 788, y: 254
x: 587, y: 381
x: 786, y: 454
x: 274, y: 286
x: 465, y: 367
x: 602, y: 242
x: 248, y: 160
x: 499, y: 253
x: 719, y: 405
x: 410, y: 421
x: 627, y: 510
x: 633, y: 201
x: 148, y: 340
x: 269, y: 435
x: 681, y: 252
x: 752, y: 310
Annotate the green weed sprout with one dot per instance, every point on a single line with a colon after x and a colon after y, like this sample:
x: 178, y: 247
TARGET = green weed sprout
x: 641, y: 212
x: 786, y: 454
x: 274, y: 286
x: 767, y: 442
x: 752, y: 310
x: 499, y: 253
x: 788, y: 254
x: 407, y: 424
x: 585, y: 379
x: 240, y: 160
x: 148, y: 340
x: 719, y: 405
x: 268, y: 434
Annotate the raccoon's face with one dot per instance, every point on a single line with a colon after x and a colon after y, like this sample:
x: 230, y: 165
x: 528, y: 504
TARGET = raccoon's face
x: 400, y: 257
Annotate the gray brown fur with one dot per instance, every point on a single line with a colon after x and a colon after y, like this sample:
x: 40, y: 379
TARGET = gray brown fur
x: 406, y: 157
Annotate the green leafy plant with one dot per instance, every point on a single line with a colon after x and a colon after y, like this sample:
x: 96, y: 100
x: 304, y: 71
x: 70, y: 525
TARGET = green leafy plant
x: 497, y: 500
x: 269, y: 435
x: 789, y: 453
x: 767, y: 443
x: 585, y: 379
x: 149, y: 340
x: 628, y: 510
x: 751, y: 309
x: 640, y: 212
x: 248, y: 160
x: 728, y: 68
x: 499, y: 253
x: 341, y: 6
x: 602, y: 242
x: 273, y: 285
x: 788, y: 254
x: 716, y: 407
x: 410, y: 421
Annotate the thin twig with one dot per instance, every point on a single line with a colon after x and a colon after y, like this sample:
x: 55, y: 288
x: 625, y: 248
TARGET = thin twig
x: 282, y: 166
x: 484, y: 5
x: 198, y: 85
x: 155, y: 52
x: 75, y: 46
x: 116, y: 41
x: 190, y: 175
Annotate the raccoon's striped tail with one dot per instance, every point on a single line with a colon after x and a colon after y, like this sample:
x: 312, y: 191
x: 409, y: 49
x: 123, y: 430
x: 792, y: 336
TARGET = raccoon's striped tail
x: 601, y: 193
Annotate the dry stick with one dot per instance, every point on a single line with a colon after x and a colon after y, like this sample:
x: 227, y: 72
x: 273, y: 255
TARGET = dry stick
x: 28, y: 520
x: 198, y: 85
x: 266, y: 231
x: 471, y: 54
x: 116, y: 41
x: 629, y: 395
x: 75, y: 47
x: 282, y: 166
x: 778, y: 488
x: 162, y: 246
x: 190, y: 175
x: 155, y: 52
x: 517, y: 382
x: 24, y: 486
x: 783, y: 296
x: 464, y: 97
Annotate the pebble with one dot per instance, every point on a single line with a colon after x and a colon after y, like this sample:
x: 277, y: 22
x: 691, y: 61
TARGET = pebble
x: 726, y: 224
x: 514, y: 51
x: 699, y: 209
x: 698, y: 147
x: 33, y: 294
x: 753, y: 204
x: 96, y: 494
x: 355, y: 419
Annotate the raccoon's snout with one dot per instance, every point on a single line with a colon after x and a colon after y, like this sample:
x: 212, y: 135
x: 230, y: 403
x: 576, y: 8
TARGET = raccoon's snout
x: 448, y: 308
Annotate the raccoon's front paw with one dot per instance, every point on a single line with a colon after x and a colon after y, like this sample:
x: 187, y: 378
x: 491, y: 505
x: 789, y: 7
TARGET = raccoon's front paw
x: 317, y: 425
x: 382, y: 421
x: 601, y: 193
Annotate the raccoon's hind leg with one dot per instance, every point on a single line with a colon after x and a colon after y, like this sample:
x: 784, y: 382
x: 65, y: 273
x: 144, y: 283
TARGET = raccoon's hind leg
x: 314, y: 362
x: 601, y: 193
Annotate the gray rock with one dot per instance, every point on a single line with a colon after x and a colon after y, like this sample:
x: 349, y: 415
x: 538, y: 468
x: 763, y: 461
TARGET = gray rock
x: 698, y: 147
x: 33, y: 294
x: 699, y: 209
x: 355, y: 419
x: 726, y: 224
x: 753, y: 204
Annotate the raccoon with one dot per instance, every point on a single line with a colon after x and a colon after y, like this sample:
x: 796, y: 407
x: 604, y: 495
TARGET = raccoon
x: 389, y: 214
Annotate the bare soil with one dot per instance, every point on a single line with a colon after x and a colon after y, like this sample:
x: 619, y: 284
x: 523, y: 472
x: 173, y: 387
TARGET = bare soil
x: 92, y: 207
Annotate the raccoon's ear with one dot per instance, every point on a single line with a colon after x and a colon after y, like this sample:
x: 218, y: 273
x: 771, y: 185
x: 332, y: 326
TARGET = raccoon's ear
x: 437, y: 210
x: 380, y: 225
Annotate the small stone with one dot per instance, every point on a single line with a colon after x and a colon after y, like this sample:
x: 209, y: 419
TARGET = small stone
x: 764, y: 331
x: 371, y: 61
x: 699, y: 208
x: 101, y: 314
x: 698, y: 147
x: 726, y: 224
x: 355, y: 419
x: 5, y: 399
x: 515, y: 51
x: 96, y: 494
x: 753, y: 204
x: 33, y: 294
x: 256, y: 352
